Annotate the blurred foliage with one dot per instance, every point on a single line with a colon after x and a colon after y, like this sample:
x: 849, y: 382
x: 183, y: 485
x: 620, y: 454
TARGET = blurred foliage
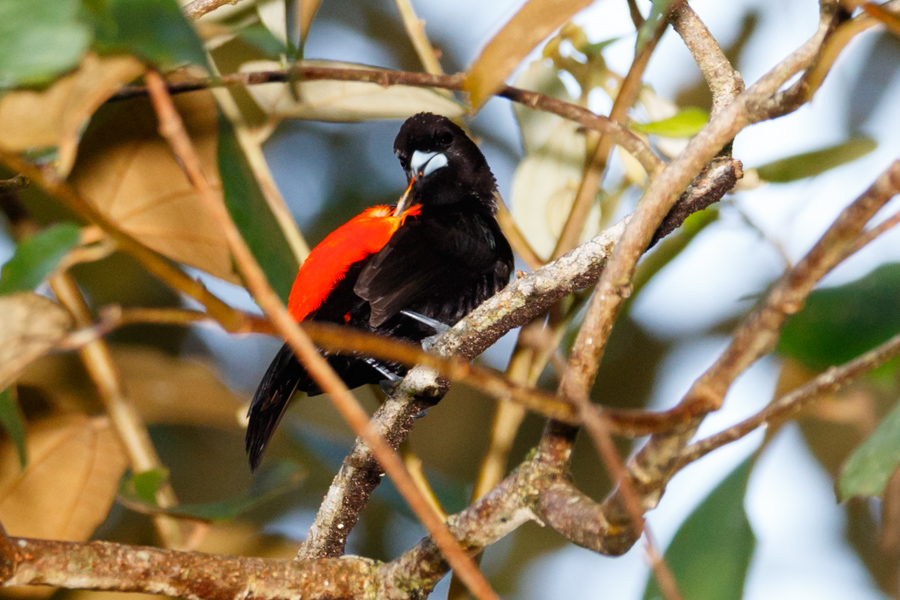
x: 685, y: 123
x: 154, y: 30
x: 251, y: 213
x: 14, y: 423
x: 36, y: 257
x: 711, y: 551
x: 139, y: 493
x: 868, y: 469
x: 39, y: 43
x: 809, y: 164
x: 839, y: 323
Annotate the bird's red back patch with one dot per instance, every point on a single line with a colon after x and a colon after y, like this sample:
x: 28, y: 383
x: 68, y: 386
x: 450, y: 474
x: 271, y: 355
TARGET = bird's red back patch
x: 328, y: 262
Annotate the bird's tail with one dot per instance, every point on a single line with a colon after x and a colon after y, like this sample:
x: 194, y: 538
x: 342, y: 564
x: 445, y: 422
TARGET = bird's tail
x: 272, y: 397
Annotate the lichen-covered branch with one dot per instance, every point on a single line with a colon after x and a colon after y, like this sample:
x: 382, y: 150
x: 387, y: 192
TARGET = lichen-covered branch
x: 193, y: 575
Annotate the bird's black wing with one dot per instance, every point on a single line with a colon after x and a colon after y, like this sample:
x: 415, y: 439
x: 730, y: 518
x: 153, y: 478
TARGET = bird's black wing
x: 272, y: 397
x: 438, y: 255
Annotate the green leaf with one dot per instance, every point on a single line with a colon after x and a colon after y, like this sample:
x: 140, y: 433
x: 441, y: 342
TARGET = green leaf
x: 809, y: 164
x: 871, y: 465
x: 258, y: 36
x: 14, y: 423
x: 155, y: 30
x: 36, y: 257
x: 682, y: 125
x: 657, y: 13
x: 711, y: 551
x: 271, y: 481
x: 147, y: 483
x: 251, y: 213
x: 40, y: 39
x: 840, y: 323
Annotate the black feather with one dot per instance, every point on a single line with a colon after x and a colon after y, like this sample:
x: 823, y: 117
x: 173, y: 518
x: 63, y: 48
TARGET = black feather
x: 440, y: 264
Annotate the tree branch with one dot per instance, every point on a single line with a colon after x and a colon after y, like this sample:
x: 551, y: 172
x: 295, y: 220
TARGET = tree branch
x: 520, y: 302
x: 198, y: 8
x: 656, y: 462
x: 724, y: 82
x: 618, y: 132
x: 829, y: 382
x: 193, y: 575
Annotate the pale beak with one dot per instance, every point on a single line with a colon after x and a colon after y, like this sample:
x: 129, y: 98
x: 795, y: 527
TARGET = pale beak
x: 426, y: 163
x: 403, y: 203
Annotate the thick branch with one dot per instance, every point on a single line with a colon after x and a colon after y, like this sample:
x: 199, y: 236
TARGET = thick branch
x: 194, y: 575
x: 724, y: 82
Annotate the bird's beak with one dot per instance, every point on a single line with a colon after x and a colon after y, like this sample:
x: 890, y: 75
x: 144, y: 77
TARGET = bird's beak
x: 403, y: 203
x: 426, y: 163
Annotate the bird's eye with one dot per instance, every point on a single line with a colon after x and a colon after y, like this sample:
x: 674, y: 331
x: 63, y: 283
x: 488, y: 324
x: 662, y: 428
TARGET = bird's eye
x: 445, y: 138
x: 404, y: 163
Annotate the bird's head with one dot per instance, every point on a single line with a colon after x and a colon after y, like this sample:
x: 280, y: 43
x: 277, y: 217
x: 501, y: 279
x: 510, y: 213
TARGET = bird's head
x: 442, y: 164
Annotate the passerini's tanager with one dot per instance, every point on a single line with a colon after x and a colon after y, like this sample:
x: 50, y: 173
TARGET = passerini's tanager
x: 435, y: 256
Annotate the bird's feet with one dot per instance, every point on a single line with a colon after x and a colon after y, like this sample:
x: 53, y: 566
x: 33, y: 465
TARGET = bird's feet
x: 391, y: 379
x: 439, y: 327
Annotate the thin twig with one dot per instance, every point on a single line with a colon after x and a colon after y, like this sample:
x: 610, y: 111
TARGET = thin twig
x: 724, y: 82
x: 415, y: 29
x: 655, y: 463
x: 636, y: 17
x: 198, y: 8
x: 13, y: 184
x: 252, y: 148
x: 596, y: 164
x: 172, y: 128
x: 127, y: 423
x: 870, y: 234
x: 621, y: 134
x: 795, y: 401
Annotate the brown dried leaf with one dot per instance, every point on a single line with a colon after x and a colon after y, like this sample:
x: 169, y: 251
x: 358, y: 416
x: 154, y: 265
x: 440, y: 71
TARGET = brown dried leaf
x: 55, y: 117
x: 168, y: 389
x: 345, y: 101
x: 128, y: 172
x: 529, y: 27
x: 163, y: 388
x: 30, y: 325
x: 305, y: 12
x: 71, y: 481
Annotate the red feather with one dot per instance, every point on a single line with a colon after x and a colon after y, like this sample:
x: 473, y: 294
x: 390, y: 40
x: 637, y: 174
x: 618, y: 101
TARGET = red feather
x: 328, y: 262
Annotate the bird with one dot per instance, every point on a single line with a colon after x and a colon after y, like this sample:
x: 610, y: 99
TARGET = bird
x: 408, y: 271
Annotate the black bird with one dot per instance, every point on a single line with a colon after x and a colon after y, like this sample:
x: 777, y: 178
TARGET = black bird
x: 404, y: 271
